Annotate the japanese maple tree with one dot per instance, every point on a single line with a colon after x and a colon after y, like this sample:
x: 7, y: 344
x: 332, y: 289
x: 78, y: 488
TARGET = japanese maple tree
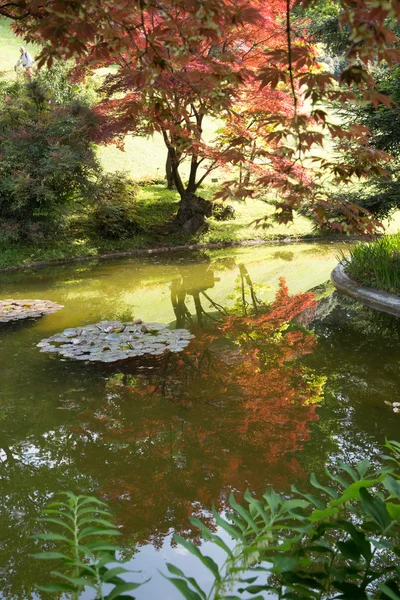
x: 246, y: 62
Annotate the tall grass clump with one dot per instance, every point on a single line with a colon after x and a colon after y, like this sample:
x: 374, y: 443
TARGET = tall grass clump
x: 376, y: 264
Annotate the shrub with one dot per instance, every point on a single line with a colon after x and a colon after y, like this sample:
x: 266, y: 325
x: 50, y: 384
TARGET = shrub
x: 59, y: 87
x: 148, y: 181
x: 114, y: 214
x: 47, y: 162
x: 223, y: 212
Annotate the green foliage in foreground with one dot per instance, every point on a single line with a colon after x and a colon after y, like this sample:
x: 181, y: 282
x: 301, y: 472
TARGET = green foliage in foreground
x: 376, y: 264
x: 341, y: 541
x: 88, y: 559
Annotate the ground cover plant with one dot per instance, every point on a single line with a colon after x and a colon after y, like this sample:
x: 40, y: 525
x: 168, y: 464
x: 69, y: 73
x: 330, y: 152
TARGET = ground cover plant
x: 376, y: 264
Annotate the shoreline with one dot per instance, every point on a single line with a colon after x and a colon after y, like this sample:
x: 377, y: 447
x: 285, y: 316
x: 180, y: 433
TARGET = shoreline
x: 180, y: 248
x: 372, y: 297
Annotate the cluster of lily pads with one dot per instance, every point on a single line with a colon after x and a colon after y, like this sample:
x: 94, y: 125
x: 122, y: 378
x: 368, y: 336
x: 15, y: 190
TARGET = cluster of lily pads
x: 111, y: 341
x: 15, y: 310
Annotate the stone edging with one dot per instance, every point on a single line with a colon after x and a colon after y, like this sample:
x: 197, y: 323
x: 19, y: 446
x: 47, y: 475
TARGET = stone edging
x: 382, y: 301
x: 166, y: 249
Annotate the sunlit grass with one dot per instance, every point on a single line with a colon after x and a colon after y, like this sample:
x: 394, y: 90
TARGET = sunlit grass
x: 376, y: 264
x: 9, y: 50
x: 156, y: 207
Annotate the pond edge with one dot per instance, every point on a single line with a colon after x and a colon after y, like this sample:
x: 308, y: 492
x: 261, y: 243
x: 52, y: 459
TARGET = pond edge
x: 376, y: 299
x: 182, y: 248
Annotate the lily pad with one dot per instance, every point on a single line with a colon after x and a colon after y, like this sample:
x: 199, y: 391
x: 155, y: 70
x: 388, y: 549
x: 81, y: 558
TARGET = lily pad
x: 112, y: 341
x: 15, y: 310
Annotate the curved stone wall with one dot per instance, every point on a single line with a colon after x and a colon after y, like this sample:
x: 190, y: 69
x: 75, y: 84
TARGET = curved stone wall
x: 383, y: 301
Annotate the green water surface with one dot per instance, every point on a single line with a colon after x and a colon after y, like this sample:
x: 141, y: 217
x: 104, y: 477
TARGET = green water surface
x: 158, y: 443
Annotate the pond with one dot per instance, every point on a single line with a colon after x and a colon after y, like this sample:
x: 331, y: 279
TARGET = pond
x: 252, y: 402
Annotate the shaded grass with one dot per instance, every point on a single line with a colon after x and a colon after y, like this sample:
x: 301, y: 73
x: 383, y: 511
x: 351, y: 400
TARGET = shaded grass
x: 376, y: 264
x: 156, y: 207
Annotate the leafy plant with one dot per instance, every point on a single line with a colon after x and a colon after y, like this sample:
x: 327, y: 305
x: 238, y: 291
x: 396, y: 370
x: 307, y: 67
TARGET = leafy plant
x: 376, y: 264
x: 84, y: 555
x: 48, y: 163
x: 115, y: 214
x: 223, y: 212
x: 61, y: 88
x: 340, y: 541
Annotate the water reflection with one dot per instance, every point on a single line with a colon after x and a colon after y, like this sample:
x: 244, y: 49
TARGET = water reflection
x: 236, y: 400
x: 162, y: 439
x: 195, y: 287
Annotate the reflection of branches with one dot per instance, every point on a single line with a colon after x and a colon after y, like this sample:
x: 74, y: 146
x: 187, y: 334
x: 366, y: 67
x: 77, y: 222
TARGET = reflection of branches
x: 181, y: 311
x: 245, y: 277
x: 184, y: 286
x: 180, y: 289
x: 219, y: 307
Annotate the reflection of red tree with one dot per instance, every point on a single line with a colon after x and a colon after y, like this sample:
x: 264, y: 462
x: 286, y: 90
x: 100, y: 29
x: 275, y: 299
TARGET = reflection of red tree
x: 278, y: 396
x: 227, y: 414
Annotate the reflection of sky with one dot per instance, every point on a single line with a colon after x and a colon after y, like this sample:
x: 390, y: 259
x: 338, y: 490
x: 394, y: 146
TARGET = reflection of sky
x: 152, y: 564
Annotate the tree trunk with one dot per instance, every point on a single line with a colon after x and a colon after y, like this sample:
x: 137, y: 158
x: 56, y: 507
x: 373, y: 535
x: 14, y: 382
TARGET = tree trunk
x: 169, y: 176
x: 193, y: 209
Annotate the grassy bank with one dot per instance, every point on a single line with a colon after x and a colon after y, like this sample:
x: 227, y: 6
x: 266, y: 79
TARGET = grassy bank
x: 156, y: 207
x: 376, y: 264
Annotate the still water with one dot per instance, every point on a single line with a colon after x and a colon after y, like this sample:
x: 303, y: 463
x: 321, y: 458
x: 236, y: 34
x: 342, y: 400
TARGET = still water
x: 253, y: 402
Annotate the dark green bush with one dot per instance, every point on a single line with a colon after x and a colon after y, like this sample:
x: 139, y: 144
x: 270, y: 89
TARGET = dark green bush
x: 62, y: 89
x: 115, y: 214
x: 48, y: 163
